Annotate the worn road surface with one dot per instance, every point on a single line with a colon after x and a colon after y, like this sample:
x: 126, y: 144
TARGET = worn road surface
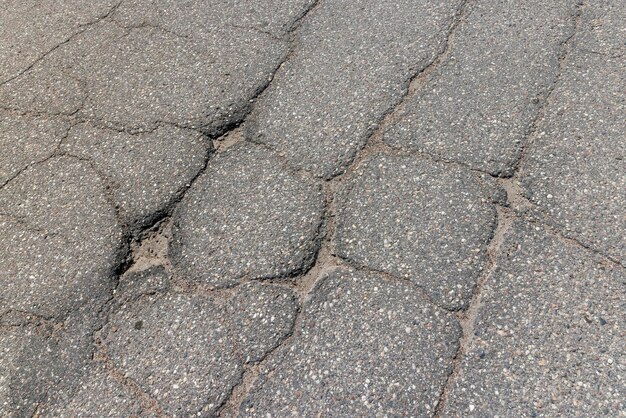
x: 313, y: 208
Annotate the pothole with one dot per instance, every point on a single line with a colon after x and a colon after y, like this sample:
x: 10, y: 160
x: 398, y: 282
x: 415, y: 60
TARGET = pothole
x: 228, y: 140
x: 152, y: 250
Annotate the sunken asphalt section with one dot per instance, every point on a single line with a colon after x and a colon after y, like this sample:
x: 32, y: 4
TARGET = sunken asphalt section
x: 313, y: 208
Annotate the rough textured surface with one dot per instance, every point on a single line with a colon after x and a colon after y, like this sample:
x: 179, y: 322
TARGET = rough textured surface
x: 180, y: 68
x: 29, y: 29
x: 601, y: 29
x: 576, y: 168
x: 261, y: 316
x: 424, y: 221
x: 197, y: 18
x: 312, y: 208
x: 26, y: 140
x: 168, y: 75
x: 37, y: 358
x: 26, y: 366
x: 178, y: 350
x: 188, y: 352
x: 246, y: 217
x: 134, y: 284
x: 97, y: 395
x: 549, y: 336
x: 59, y: 239
x: 478, y: 106
x: 365, y: 347
x: 352, y: 64
x: 146, y: 171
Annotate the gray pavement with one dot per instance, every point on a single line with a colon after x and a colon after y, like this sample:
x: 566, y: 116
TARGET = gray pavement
x: 312, y: 208
x: 477, y: 107
x: 394, y: 209
x: 556, y: 335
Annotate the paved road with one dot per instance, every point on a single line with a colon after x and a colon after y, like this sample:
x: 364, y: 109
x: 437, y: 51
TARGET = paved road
x: 313, y: 208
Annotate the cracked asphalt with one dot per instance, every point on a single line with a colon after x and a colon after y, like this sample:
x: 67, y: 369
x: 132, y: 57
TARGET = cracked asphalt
x: 313, y: 208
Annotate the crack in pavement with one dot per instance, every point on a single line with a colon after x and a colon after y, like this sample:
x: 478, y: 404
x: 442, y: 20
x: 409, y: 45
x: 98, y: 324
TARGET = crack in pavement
x: 467, y: 318
x: 82, y: 27
x: 128, y: 264
x: 534, y: 125
x: 146, y: 247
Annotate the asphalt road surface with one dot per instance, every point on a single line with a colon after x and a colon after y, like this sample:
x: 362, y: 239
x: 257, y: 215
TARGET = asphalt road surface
x: 313, y: 208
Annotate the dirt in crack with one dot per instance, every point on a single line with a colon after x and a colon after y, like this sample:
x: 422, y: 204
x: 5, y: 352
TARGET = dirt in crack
x: 152, y: 249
